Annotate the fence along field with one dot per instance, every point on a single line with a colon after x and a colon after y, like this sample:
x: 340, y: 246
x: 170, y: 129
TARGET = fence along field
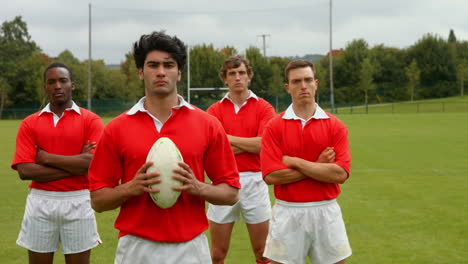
x: 405, y: 201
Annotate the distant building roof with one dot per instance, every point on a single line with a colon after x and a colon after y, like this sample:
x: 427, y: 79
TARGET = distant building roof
x: 335, y: 52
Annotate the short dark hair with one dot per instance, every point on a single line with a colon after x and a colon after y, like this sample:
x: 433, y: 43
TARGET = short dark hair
x: 58, y: 65
x: 234, y: 62
x: 296, y: 64
x: 159, y: 40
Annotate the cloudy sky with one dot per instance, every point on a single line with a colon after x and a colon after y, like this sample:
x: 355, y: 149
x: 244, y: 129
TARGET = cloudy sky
x: 294, y: 27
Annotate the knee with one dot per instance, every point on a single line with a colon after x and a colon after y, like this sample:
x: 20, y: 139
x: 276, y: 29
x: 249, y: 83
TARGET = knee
x: 218, y: 255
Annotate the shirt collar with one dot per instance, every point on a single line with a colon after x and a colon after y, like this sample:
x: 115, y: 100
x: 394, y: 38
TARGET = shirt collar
x: 140, y: 105
x: 74, y: 107
x: 251, y: 95
x: 319, y: 113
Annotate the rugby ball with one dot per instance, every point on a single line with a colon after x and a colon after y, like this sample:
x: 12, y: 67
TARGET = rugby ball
x: 165, y: 155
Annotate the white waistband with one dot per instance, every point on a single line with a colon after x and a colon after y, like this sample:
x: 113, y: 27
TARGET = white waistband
x: 250, y: 174
x: 59, y: 195
x: 308, y: 204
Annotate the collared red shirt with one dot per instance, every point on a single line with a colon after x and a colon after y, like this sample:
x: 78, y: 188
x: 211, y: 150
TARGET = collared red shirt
x: 236, y: 107
x: 123, y: 149
x: 319, y: 114
x: 248, y: 121
x: 67, y: 137
x: 46, y: 109
x: 292, y: 136
x: 140, y: 106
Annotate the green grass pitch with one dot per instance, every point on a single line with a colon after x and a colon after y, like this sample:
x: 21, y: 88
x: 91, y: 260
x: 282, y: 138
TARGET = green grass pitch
x: 405, y: 201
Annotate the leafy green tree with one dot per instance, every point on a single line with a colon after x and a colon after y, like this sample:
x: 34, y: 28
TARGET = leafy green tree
x: 366, y: 79
x: 346, y: 71
x: 452, y: 38
x: 133, y: 86
x: 414, y: 76
x: 33, y: 76
x: 321, y: 74
x: 280, y: 99
x: 4, y: 90
x: 462, y: 74
x: 262, y: 71
x: 16, y: 48
x: 389, y: 73
x: 80, y: 74
x: 276, y: 85
x: 205, y: 62
x: 102, y: 88
x: 437, y: 64
x: 462, y: 50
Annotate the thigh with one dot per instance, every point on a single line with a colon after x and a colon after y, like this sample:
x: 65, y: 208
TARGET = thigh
x: 220, y: 234
x: 254, y: 200
x: 40, y: 258
x: 258, y: 233
x: 78, y: 258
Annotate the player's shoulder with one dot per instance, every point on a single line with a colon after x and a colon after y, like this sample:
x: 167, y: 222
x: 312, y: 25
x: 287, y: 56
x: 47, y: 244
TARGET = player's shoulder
x: 215, y: 108
x: 121, y: 119
x: 87, y: 113
x: 31, y: 119
x: 334, y: 120
x: 204, y: 115
x: 277, y: 119
x: 32, y: 116
x: 262, y: 101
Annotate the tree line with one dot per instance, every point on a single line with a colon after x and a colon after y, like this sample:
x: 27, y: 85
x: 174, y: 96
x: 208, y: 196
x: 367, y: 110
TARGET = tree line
x: 433, y: 67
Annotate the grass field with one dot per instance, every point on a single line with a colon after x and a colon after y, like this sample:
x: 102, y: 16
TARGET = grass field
x: 441, y: 105
x: 404, y: 203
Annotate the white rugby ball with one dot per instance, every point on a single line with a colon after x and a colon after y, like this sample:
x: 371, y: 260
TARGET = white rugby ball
x: 165, y: 155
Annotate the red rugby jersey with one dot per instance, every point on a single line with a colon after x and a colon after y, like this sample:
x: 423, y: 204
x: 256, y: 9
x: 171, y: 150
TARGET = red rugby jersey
x: 250, y: 121
x: 123, y: 148
x: 287, y: 137
x: 67, y: 138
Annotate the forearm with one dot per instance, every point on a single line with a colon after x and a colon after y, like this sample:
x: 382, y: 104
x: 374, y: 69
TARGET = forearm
x: 283, y: 176
x: 221, y: 194
x: 40, y: 173
x: 75, y: 164
x: 106, y: 199
x: 252, y: 144
x: 324, y: 172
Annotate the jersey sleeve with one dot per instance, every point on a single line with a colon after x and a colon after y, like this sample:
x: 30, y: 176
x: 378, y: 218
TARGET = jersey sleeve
x: 341, y: 146
x: 219, y: 162
x: 213, y: 110
x: 267, y: 113
x: 95, y: 128
x: 25, y: 145
x: 271, y: 155
x: 106, y: 168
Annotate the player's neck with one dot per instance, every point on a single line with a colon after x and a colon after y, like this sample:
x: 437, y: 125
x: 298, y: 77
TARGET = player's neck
x: 161, y: 106
x: 304, y: 110
x: 239, y: 97
x: 58, y: 109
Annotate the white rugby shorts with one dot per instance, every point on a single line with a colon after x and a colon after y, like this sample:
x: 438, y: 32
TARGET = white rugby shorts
x: 132, y: 249
x: 254, y: 202
x: 51, y: 218
x: 315, y: 229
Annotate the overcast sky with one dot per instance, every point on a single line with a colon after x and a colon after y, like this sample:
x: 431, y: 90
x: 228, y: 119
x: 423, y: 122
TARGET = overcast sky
x: 294, y: 27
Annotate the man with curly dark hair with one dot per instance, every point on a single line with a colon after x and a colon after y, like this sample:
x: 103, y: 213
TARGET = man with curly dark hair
x: 118, y: 176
